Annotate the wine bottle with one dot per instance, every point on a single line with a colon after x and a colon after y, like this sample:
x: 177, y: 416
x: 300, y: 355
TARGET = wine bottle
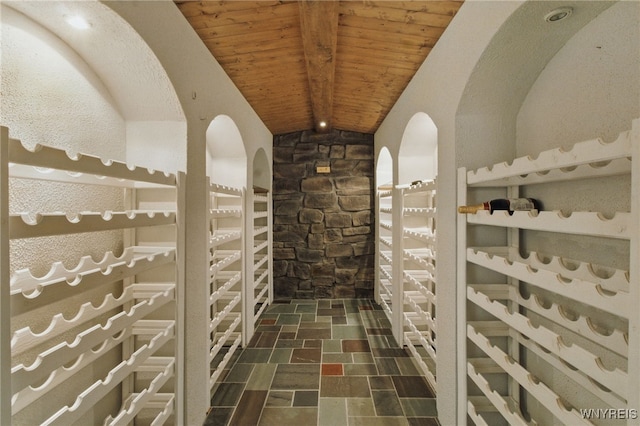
x: 508, y: 204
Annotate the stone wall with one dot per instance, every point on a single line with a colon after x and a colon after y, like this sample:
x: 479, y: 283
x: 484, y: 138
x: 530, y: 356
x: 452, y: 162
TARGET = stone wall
x: 323, y: 233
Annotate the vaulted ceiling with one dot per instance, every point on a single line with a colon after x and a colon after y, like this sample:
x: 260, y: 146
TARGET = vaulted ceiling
x: 300, y: 63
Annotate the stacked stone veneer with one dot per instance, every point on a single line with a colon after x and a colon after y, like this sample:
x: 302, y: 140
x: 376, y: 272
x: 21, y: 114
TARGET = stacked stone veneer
x: 323, y: 236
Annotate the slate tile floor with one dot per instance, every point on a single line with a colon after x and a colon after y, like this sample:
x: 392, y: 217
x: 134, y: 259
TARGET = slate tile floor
x: 325, y: 362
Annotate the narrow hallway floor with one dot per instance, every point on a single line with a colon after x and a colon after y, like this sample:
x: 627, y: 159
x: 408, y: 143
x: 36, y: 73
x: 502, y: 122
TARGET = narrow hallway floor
x: 324, y: 362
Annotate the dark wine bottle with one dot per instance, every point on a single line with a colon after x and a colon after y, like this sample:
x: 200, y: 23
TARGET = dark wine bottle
x: 508, y: 204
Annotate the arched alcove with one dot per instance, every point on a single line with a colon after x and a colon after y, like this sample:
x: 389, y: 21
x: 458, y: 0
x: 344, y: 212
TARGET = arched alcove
x: 384, y: 169
x: 261, y: 170
x: 112, y: 73
x: 383, y: 218
x: 99, y: 91
x: 545, y: 85
x: 418, y: 156
x: 509, y: 66
x: 226, y: 156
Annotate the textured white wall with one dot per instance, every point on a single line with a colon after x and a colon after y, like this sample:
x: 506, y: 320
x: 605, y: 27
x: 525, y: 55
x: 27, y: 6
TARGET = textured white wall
x: 127, y: 72
x: 51, y: 97
x: 590, y: 88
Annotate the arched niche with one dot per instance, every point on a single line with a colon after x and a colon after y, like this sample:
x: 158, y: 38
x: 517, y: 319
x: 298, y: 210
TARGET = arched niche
x: 503, y: 76
x: 99, y: 91
x: 384, y: 170
x: 418, y: 155
x: 226, y: 156
x: 261, y: 170
x: 106, y: 70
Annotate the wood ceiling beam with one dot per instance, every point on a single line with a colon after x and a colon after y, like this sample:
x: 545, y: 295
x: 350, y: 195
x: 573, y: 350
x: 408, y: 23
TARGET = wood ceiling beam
x: 319, y: 28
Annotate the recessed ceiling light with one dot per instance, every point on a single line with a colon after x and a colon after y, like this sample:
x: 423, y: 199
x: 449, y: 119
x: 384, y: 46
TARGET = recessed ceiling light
x: 78, y: 22
x: 558, y: 14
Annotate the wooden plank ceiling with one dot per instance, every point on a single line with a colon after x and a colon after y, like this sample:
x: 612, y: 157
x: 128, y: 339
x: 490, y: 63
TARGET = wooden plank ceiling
x: 299, y: 63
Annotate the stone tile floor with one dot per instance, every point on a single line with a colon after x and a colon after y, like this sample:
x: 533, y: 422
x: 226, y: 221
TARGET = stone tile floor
x: 324, y: 362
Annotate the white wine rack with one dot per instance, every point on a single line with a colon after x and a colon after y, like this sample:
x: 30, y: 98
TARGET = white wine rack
x: 226, y: 264
x: 141, y: 319
x: 418, y: 274
x: 575, y: 321
x: 259, y: 283
x: 385, y: 287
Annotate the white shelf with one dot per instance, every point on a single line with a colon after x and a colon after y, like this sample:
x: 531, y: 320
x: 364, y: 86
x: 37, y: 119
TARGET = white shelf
x: 592, y: 152
x: 405, y: 278
x: 428, y: 186
x: 89, y: 273
x: 221, y: 236
x: 225, y: 213
x: 386, y: 225
x: 580, y: 223
x: 584, y: 292
x: 28, y: 225
x: 225, y: 360
x: 424, y: 257
x: 423, y: 235
x: 73, y: 164
x: 222, y: 190
x: 98, y: 390
x: 529, y: 382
